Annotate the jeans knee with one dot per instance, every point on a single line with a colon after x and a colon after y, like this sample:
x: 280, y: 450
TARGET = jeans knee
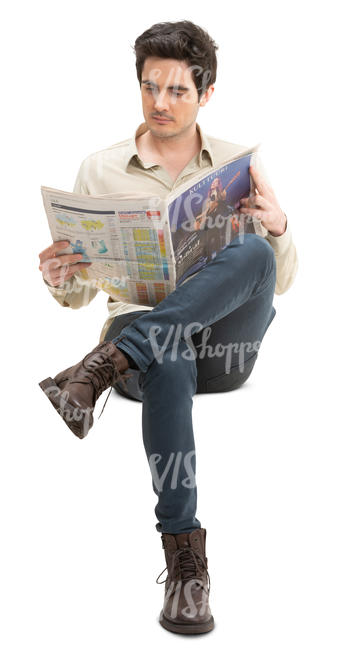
x: 262, y: 252
x: 175, y: 368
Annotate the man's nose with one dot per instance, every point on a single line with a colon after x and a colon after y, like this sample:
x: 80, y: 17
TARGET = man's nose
x: 161, y: 101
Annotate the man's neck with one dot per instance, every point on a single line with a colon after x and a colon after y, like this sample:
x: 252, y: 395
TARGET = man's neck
x: 185, y: 144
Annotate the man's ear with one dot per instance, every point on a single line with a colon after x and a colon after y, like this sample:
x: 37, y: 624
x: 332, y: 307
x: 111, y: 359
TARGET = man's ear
x: 206, y: 96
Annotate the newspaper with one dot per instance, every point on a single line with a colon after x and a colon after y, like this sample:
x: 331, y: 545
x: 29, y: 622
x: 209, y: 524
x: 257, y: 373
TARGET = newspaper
x: 142, y: 246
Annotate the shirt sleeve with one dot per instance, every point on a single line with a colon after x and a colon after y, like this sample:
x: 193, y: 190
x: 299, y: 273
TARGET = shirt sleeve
x: 80, y: 185
x: 78, y: 291
x: 285, y: 252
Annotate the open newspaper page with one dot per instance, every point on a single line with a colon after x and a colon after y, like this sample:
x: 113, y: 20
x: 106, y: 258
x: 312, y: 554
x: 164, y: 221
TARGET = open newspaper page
x: 204, y: 218
x: 127, y: 239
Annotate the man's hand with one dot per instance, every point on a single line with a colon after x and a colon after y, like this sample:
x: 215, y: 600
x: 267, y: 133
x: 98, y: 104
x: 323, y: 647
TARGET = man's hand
x: 264, y: 205
x: 57, y: 269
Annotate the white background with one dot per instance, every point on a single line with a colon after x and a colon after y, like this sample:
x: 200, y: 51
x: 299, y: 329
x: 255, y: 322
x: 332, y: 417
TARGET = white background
x: 79, y: 548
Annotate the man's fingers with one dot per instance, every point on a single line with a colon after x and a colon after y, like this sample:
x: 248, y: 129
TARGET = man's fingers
x: 57, y: 269
x: 260, y: 182
x: 54, y: 265
x: 62, y: 273
x: 56, y: 279
x: 53, y: 249
x: 50, y: 264
x: 255, y: 201
x: 61, y: 260
x: 253, y: 213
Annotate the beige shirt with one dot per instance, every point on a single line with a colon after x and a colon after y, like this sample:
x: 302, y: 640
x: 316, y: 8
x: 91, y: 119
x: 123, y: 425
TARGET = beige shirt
x: 119, y: 169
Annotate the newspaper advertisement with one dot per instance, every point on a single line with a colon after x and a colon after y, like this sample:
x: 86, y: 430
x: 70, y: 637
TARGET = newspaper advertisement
x: 204, y: 218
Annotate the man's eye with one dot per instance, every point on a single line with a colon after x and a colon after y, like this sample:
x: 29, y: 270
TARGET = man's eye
x: 174, y: 92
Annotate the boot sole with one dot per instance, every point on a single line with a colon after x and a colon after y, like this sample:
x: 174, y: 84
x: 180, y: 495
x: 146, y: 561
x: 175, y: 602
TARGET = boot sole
x: 186, y: 628
x: 76, y: 425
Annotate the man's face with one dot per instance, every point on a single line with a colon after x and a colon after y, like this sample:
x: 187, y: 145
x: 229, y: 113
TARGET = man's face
x: 169, y: 92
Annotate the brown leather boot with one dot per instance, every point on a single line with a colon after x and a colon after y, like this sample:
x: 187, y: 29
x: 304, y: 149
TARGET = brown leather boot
x: 186, y: 608
x: 74, y: 391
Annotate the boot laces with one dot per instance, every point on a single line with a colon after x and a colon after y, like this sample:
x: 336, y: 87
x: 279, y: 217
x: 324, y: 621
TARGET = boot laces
x: 98, y: 374
x: 101, y: 374
x: 117, y: 375
x: 123, y: 378
x: 190, y: 565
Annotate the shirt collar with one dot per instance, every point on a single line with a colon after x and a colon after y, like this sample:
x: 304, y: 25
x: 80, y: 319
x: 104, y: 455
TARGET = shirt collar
x: 132, y: 151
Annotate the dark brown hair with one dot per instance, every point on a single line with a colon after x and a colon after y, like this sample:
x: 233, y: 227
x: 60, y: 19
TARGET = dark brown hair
x: 183, y: 41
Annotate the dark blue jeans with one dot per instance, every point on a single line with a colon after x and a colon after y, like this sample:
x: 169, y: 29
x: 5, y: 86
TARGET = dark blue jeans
x: 203, y: 337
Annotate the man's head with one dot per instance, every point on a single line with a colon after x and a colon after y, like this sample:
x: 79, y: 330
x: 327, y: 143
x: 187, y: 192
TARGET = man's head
x: 176, y: 67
